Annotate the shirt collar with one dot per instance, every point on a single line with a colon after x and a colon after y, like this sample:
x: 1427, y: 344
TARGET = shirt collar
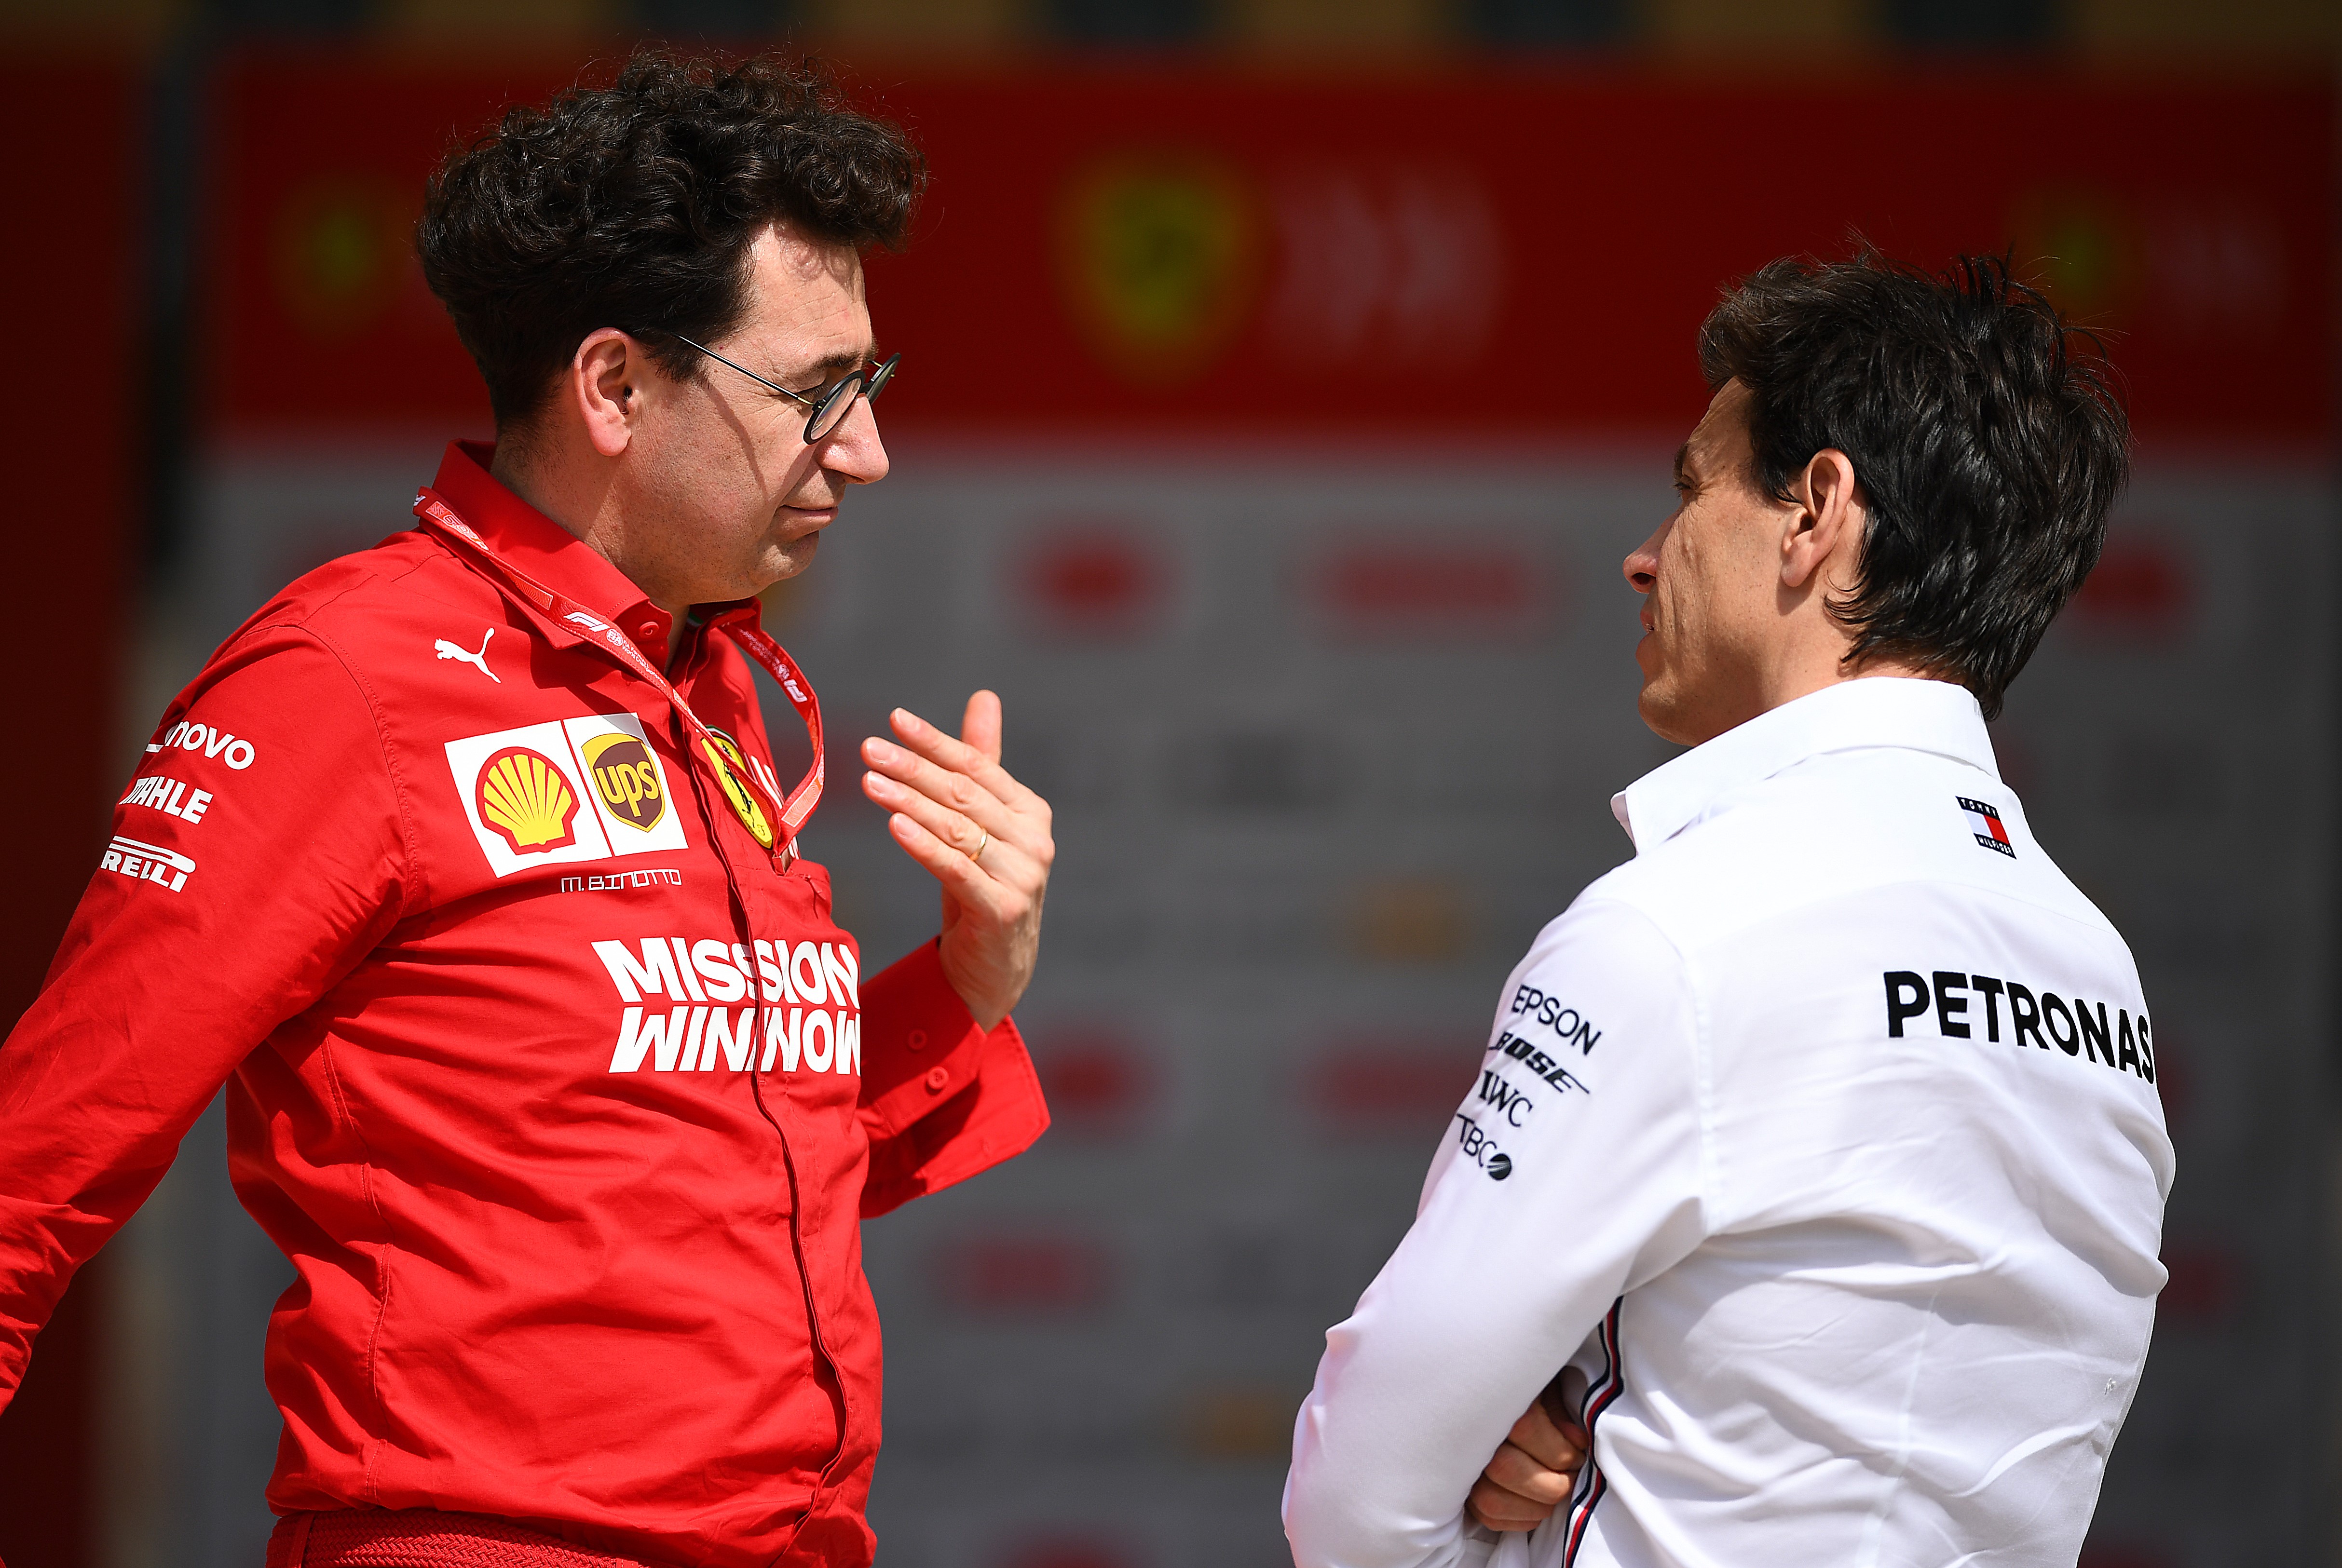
x: 545, y: 549
x: 1875, y: 711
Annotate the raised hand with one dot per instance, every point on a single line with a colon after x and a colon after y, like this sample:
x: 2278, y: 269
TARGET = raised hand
x: 983, y: 836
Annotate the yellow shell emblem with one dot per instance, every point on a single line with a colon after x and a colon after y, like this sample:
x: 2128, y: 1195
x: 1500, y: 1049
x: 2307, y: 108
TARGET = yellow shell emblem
x: 524, y: 796
x: 729, y: 765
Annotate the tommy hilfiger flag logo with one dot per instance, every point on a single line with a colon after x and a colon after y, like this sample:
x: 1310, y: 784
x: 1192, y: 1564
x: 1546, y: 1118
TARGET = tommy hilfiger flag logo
x: 1985, y: 822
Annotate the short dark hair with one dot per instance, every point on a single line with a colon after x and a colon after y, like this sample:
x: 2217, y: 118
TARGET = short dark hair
x: 1984, y: 432
x: 634, y: 204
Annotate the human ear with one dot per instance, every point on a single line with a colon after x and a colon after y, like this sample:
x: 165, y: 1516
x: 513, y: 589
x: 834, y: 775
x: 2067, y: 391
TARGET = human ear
x: 601, y: 375
x: 1828, y: 517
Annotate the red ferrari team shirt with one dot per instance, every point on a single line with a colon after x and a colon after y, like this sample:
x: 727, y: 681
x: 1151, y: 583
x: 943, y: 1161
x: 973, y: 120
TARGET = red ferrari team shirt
x: 496, y: 979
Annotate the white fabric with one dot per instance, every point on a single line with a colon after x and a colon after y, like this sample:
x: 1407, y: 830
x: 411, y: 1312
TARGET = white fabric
x: 1880, y: 1299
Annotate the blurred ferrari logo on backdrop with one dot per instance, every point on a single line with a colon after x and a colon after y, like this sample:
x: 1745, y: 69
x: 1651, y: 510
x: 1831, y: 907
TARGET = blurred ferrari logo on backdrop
x: 1161, y: 260
x: 524, y: 798
x: 2084, y: 251
x: 626, y: 776
x: 340, y: 252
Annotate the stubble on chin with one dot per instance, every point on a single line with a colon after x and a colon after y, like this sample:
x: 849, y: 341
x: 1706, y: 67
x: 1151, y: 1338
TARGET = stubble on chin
x: 1663, y: 708
x: 794, y: 555
x: 1657, y: 712
x: 1652, y: 702
x: 781, y: 559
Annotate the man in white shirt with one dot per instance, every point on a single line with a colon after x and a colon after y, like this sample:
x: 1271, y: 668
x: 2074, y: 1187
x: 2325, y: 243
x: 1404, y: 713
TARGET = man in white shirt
x: 1815, y: 1170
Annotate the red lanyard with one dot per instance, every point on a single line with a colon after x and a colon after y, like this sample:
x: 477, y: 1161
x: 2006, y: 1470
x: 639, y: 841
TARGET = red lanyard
x: 755, y: 800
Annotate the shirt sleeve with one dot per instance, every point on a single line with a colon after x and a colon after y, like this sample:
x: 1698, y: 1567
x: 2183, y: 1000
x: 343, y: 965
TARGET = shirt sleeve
x: 1572, y: 1172
x: 258, y: 855
x: 942, y: 1100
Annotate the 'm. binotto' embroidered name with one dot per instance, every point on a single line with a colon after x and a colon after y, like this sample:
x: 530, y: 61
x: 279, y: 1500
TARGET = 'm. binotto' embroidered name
x: 813, y: 1014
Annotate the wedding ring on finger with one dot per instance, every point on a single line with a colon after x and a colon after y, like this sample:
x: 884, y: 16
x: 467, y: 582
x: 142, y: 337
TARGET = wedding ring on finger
x: 977, y: 854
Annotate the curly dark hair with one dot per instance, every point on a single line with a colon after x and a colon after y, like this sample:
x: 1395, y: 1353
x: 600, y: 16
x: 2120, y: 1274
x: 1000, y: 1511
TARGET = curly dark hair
x: 1984, y: 431
x: 634, y: 204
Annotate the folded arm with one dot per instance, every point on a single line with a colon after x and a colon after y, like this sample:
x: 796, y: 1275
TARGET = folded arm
x: 1571, y: 1174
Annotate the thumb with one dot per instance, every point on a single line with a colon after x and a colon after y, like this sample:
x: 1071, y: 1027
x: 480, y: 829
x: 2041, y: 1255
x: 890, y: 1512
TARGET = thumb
x: 981, y: 727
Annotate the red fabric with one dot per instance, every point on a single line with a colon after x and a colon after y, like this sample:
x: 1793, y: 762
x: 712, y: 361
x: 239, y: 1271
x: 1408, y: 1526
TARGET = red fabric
x: 545, y: 1273
x: 424, y: 1538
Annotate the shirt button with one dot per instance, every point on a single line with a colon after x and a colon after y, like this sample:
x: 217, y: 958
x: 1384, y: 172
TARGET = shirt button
x: 917, y: 1039
x: 937, y: 1078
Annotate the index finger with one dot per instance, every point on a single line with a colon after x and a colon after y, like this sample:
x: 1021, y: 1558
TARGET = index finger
x: 957, y: 757
x: 979, y: 725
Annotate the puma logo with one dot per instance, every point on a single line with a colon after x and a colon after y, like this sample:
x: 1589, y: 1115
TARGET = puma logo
x: 449, y: 650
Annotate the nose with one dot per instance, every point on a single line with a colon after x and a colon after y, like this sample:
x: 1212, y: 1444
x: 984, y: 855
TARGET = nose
x: 854, y: 451
x: 1642, y: 563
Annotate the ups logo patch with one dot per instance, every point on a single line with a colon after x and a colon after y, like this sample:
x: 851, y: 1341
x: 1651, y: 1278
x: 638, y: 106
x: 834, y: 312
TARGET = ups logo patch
x: 626, y: 780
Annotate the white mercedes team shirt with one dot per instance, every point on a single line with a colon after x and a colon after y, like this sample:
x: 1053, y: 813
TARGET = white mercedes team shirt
x: 1822, y: 1137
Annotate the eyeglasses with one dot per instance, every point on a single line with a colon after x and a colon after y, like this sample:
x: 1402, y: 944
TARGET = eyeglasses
x: 835, y: 401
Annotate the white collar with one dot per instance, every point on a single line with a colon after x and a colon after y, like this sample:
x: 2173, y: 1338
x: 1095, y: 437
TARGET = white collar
x: 1874, y: 711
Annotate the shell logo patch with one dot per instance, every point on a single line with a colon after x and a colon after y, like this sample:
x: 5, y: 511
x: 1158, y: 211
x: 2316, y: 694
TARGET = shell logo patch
x: 524, y: 797
x: 626, y: 780
x: 583, y: 789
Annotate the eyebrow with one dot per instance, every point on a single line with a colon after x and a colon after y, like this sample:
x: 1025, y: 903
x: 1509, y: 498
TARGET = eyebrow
x: 845, y: 360
x: 827, y: 367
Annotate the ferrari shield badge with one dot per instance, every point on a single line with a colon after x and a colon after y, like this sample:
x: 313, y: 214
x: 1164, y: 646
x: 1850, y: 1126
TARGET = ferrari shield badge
x: 729, y: 764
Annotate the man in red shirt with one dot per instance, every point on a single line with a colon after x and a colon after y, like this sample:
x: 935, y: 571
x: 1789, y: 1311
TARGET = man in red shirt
x: 465, y: 866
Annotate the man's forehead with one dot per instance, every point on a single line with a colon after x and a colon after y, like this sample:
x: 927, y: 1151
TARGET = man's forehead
x: 800, y: 256
x: 1722, y: 428
x: 806, y: 301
